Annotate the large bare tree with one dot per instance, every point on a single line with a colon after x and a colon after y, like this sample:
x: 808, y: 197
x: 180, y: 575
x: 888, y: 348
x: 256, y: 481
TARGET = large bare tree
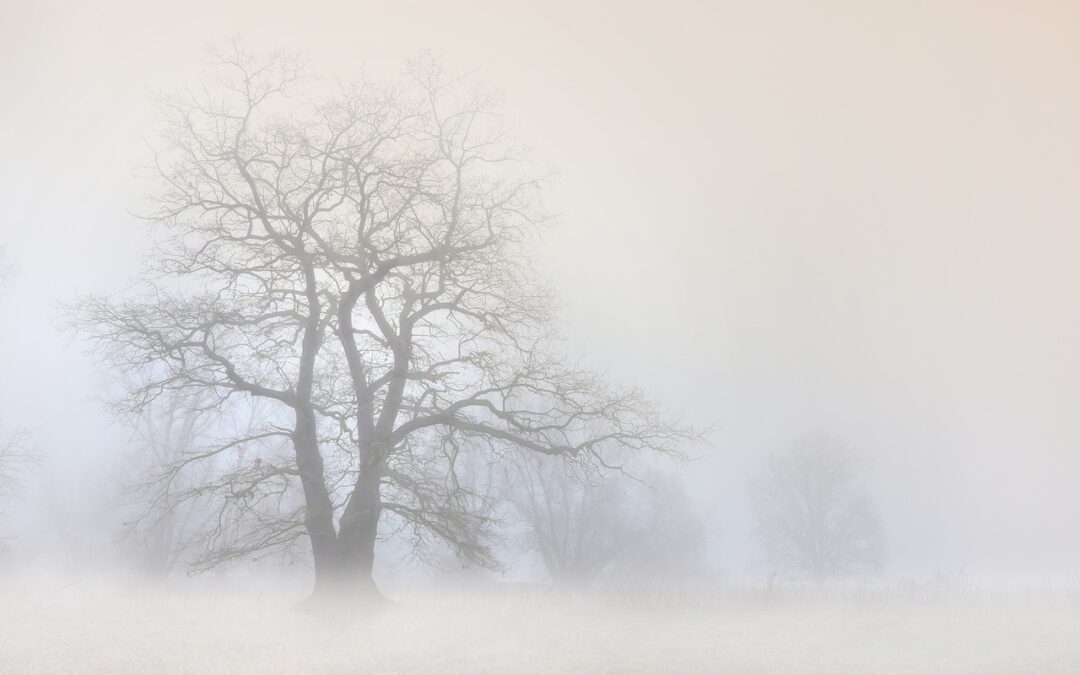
x: 359, y: 260
x: 812, y: 519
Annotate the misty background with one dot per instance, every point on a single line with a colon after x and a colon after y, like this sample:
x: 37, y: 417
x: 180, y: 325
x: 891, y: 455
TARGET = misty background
x: 858, y: 222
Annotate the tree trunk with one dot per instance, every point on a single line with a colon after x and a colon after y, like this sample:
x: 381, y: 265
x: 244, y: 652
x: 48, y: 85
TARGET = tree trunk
x: 319, y: 510
x: 345, y: 577
x: 344, y: 557
x: 360, y: 522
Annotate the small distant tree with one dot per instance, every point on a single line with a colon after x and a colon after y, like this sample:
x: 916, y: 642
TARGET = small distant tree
x: 585, y: 523
x: 811, y: 518
x: 670, y: 532
x: 161, y: 437
x: 155, y: 480
x: 572, y: 519
x: 181, y: 499
x: 17, y: 456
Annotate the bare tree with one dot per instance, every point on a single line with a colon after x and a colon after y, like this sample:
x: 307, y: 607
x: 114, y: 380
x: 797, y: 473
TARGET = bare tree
x: 361, y: 264
x: 572, y: 518
x: 812, y: 521
x: 161, y: 437
x: 16, y: 458
x: 669, y: 533
x: 585, y: 523
x: 162, y: 494
x: 17, y: 455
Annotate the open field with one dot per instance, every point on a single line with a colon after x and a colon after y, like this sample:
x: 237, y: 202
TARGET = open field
x: 90, y: 628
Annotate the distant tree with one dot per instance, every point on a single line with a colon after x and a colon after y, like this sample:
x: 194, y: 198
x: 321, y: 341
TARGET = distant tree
x: 811, y: 519
x: 17, y: 455
x: 163, y: 482
x: 162, y: 437
x: 670, y: 532
x: 585, y: 523
x: 573, y: 520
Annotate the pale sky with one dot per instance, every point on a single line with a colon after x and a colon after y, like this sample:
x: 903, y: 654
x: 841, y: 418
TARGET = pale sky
x: 855, y: 218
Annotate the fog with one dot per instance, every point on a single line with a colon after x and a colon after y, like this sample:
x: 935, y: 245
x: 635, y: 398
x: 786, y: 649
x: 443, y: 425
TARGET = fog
x: 844, y: 225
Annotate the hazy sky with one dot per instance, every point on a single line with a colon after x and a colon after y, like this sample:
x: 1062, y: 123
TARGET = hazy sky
x: 855, y: 218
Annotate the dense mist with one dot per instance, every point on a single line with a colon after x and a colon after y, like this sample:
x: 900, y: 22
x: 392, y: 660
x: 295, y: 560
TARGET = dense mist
x: 735, y: 319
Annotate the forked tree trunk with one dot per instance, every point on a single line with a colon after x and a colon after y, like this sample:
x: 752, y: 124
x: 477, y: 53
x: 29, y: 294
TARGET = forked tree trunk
x: 319, y: 510
x: 360, y: 525
x: 345, y: 575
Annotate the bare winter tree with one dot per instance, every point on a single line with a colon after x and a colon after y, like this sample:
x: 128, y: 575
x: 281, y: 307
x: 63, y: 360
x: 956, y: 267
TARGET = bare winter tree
x: 360, y: 263
x: 575, y: 521
x: 162, y: 483
x: 812, y: 521
x: 163, y: 434
x: 17, y: 456
x: 670, y: 532
x: 585, y: 523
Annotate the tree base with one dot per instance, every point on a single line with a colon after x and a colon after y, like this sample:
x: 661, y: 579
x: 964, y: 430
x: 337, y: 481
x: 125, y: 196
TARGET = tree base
x: 345, y: 596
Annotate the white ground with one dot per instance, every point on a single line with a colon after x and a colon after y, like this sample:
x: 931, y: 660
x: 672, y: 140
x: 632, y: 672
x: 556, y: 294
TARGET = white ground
x: 95, y: 627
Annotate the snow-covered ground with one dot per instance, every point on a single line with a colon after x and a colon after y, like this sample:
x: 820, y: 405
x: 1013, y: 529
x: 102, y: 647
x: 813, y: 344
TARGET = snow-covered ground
x: 58, y: 626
